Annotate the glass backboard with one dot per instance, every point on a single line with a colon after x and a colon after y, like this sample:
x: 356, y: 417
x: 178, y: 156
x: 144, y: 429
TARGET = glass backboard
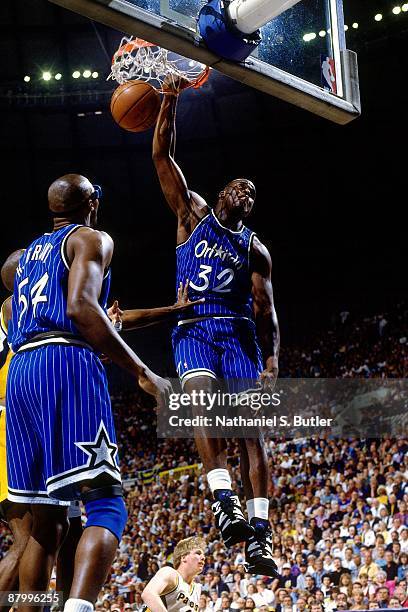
x: 302, y: 57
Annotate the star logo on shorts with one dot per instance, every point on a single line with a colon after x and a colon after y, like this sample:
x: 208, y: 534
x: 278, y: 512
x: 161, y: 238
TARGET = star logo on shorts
x: 101, y: 451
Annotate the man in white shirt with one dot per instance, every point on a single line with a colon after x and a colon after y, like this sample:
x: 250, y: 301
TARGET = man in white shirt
x: 263, y: 596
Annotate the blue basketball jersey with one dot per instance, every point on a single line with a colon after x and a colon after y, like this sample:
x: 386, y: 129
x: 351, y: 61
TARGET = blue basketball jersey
x: 215, y: 259
x: 41, y: 289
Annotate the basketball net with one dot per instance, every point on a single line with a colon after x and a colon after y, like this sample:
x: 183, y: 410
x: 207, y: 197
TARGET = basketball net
x: 164, y: 70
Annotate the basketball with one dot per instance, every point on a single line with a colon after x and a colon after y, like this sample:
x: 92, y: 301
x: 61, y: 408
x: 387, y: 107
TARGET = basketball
x: 135, y: 106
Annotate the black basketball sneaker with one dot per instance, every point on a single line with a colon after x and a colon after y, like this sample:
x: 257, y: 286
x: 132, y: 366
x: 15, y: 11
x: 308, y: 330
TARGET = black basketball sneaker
x: 258, y: 550
x: 230, y: 520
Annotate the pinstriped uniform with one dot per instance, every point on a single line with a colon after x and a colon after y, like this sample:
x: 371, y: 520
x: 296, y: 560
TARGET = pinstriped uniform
x: 219, y: 338
x: 59, y: 418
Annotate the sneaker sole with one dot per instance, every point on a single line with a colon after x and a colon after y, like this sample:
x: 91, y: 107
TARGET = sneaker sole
x: 264, y: 569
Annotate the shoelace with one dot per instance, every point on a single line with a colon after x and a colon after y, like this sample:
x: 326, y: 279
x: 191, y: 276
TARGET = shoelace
x: 264, y: 541
x: 228, y: 506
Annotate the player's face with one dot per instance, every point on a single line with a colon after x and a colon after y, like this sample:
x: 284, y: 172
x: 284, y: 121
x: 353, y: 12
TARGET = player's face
x: 239, y: 197
x: 196, y: 560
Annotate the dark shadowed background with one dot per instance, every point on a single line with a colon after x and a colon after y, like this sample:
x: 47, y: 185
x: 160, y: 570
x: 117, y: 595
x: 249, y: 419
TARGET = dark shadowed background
x: 331, y: 198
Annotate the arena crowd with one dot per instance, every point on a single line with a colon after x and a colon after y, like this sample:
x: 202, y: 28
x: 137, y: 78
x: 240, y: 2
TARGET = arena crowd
x: 339, y: 507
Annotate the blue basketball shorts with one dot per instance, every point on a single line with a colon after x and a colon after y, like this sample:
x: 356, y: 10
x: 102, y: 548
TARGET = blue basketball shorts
x: 222, y: 348
x: 60, y: 428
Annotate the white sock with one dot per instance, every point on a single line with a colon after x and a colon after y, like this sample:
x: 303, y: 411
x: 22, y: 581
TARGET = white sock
x: 219, y: 479
x: 259, y: 507
x: 78, y: 605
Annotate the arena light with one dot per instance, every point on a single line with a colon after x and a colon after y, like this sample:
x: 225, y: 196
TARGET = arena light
x: 86, y: 74
x: 27, y: 79
x: 322, y: 33
x: 309, y: 37
x: 46, y: 76
x: 396, y: 10
x: 76, y: 74
x: 345, y: 27
x: 58, y: 76
x: 404, y: 8
x: 355, y: 25
x: 95, y: 75
x: 378, y: 17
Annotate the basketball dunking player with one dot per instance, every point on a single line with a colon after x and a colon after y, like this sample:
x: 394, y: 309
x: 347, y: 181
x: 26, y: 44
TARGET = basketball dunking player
x: 173, y: 588
x: 229, y: 266
x: 59, y: 412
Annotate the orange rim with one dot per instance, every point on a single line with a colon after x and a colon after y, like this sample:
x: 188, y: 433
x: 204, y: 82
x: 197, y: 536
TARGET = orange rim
x: 128, y: 47
x: 139, y: 43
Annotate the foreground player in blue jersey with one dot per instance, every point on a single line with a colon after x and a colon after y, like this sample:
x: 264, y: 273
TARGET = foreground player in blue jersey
x: 59, y: 421
x: 17, y: 515
x: 233, y: 335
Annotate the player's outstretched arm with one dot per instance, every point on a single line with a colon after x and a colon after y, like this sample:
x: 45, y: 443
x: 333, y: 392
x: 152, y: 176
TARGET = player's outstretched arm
x: 90, y: 253
x: 264, y: 310
x: 143, y: 317
x: 187, y: 205
x: 163, y: 582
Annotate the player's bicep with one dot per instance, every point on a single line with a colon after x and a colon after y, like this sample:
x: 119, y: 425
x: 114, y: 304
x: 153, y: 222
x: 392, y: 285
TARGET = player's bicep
x: 262, y: 293
x: 85, y: 281
x: 261, y: 277
x: 90, y: 256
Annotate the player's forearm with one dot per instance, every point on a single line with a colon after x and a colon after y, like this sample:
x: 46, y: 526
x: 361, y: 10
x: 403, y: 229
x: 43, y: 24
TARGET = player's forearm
x: 96, y: 328
x: 153, y: 601
x: 267, y: 329
x: 134, y: 319
x: 164, y: 134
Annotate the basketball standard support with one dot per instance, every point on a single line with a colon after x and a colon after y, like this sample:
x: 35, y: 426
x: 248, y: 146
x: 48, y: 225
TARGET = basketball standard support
x: 250, y: 15
x: 231, y: 29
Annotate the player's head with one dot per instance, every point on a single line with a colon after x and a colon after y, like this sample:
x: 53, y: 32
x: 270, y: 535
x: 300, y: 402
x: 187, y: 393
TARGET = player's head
x: 8, y: 270
x: 237, y: 198
x: 190, y: 553
x: 74, y: 197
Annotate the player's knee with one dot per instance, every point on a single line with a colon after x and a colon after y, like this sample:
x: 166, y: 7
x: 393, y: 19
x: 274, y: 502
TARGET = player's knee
x: 105, y: 508
x: 50, y: 525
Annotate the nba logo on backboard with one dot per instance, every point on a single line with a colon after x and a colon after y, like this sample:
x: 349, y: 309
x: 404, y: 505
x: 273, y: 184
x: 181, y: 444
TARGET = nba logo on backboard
x: 328, y: 74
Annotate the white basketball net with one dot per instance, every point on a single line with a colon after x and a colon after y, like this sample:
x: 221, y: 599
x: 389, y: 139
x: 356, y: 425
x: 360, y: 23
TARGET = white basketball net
x: 137, y: 59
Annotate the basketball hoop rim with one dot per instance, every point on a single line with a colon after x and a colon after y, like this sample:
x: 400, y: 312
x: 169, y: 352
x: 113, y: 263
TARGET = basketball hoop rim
x: 140, y: 43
